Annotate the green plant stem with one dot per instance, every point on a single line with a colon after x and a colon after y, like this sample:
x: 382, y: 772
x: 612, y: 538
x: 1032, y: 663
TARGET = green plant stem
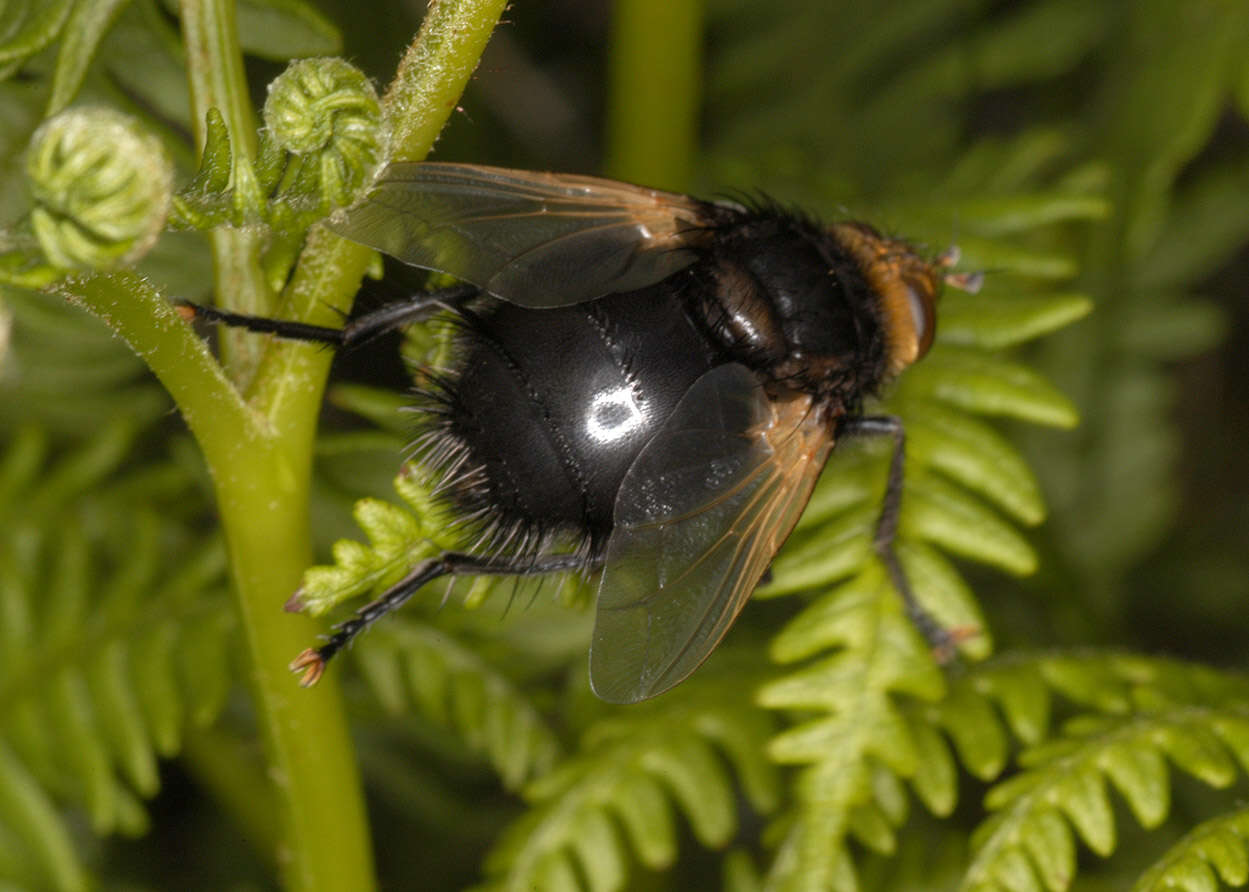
x: 260, y: 450
x: 654, y: 87
x: 429, y: 81
x: 217, y: 80
x: 262, y: 494
x: 325, y: 840
x: 145, y: 320
x: 434, y: 72
x: 262, y: 490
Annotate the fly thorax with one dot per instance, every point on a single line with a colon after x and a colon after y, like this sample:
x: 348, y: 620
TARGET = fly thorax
x: 740, y: 317
x: 792, y: 302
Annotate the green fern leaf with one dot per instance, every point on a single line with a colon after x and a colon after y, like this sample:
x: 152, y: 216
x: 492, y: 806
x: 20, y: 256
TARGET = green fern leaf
x: 871, y: 699
x: 1019, y: 691
x: 976, y: 457
x: 936, y: 780
x: 1211, y: 855
x: 974, y: 728
x: 863, y: 731
x: 943, y: 515
x: 634, y: 768
x: 995, y: 321
x: 94, y: 684
x: 286, y: 29
x: 398, y: 539
x: 986, y: 385
x: 451, y: 684
x: 66, y: 371
x: 1064, y: 783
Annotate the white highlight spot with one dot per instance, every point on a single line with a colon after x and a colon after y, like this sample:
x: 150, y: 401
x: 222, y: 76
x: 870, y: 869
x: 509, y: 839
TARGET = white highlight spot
x: 614, y: 415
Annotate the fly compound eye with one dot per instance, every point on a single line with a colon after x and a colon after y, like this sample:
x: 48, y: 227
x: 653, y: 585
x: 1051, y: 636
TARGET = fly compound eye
x: 920, y: 302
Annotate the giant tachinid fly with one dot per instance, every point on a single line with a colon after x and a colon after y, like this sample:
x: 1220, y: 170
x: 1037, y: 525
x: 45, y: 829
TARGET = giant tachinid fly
x: 644, y: 388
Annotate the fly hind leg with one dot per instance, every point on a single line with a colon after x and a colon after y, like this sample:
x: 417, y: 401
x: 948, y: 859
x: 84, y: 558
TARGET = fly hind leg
x: 357, y: 331
x: 311, y: 663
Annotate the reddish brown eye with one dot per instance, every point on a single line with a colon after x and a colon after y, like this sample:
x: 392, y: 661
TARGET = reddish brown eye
x: 919, y: 298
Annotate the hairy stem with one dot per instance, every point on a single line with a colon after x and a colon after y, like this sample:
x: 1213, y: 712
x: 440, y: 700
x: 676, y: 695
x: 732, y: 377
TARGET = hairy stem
x: 262, y: 471
x: 217, y: 80
x: 262, y: 494
x: 434, y: 72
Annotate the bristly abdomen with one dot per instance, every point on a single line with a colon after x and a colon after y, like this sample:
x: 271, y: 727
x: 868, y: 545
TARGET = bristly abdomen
x: 533, y: 429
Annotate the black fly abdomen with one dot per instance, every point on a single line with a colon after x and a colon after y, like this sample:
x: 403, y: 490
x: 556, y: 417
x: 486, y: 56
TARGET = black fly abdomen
x: 538, y: 423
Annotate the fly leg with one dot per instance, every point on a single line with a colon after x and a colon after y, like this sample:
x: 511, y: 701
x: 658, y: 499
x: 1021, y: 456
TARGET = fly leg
x: 312, y: 661
x: 943, y: 641
x: 356, y: 331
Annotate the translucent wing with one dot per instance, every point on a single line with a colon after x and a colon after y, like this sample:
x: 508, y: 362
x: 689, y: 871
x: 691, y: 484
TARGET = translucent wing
x: 535, y: 239
x: 700, y: 514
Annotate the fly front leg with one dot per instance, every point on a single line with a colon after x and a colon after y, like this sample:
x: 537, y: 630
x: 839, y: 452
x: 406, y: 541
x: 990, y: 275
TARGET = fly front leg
x: 942, y: 640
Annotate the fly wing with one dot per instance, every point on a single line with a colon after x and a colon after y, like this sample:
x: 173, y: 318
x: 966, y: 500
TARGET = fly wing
x: 534, y: 239
x: 699, y: 517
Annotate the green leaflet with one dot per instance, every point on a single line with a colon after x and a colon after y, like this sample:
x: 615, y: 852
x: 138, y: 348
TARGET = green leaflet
x: 89, y: 22
x: 633, y: 772
x: 985, y: 384
x: 1210, y: 855
x: 112, y: 647
x: 286, y: 29
x: 418, y: 666
x: 996, y: 319
x: 1070, y: 785
x: 27, y: 27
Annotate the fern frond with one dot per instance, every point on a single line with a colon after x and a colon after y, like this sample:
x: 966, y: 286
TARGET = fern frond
x: 399, y: 536
x: 858, y: 736
x: 442, y: 666
x: 864, y: 736
x: 415, y: 665
x: 1180, y: 211
x: 1145, y: 712
x: 66, y: 370
x: 615, y: 800
x: 1064, y: 787
x: 1211, y: 855
x: 110, y: 649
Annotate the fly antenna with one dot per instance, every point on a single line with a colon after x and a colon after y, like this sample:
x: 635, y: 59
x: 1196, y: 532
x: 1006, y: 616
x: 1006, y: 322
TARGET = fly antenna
x: 963, y: 281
